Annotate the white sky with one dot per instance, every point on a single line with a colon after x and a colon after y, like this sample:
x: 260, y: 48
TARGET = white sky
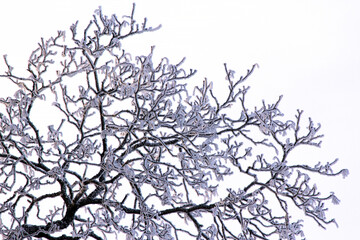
x: 308, y: 50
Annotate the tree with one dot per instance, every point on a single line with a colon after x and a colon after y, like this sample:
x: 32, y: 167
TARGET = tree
x: 131, y: 152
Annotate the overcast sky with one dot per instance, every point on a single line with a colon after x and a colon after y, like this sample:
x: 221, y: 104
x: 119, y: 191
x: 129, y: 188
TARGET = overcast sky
x: 308, y: 51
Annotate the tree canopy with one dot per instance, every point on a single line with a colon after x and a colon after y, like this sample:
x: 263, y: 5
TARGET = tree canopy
x: 134, y: 152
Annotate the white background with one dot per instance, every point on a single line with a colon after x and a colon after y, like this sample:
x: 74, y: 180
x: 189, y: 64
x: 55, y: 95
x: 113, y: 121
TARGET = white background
x: 309, y: 51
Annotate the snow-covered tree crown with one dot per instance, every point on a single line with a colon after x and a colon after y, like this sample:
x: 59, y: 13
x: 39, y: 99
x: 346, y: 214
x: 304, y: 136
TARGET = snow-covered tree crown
x: 132, y: 152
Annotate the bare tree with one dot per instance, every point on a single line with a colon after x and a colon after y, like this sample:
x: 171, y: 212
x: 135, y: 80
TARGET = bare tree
x: 132, y: 153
